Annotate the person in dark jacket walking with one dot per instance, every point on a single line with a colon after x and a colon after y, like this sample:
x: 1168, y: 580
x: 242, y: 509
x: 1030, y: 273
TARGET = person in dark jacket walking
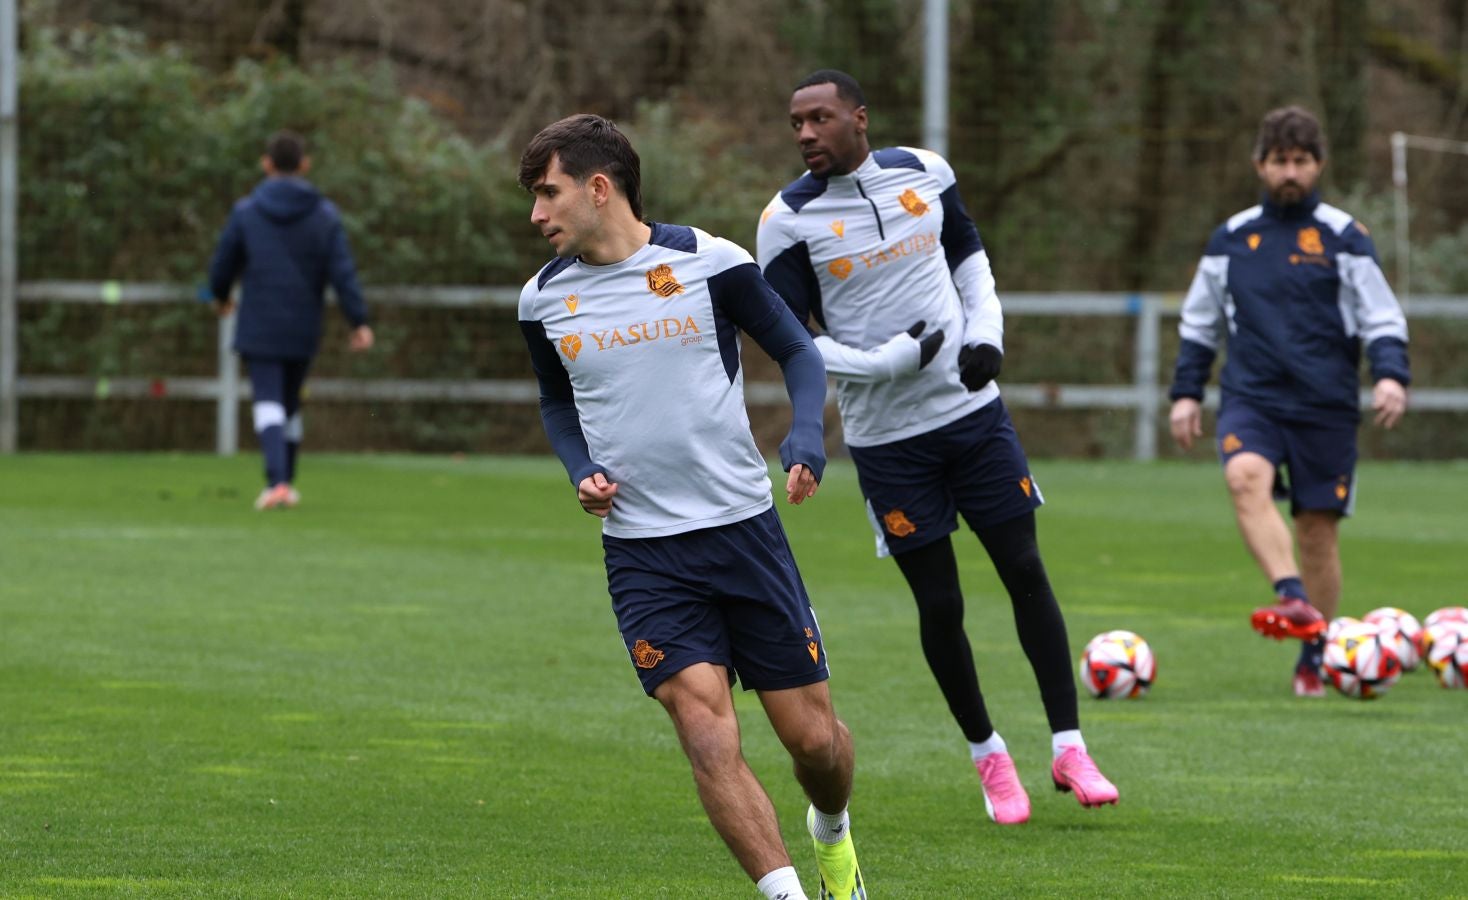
x: 1293, y: 289
x: 284, y: 243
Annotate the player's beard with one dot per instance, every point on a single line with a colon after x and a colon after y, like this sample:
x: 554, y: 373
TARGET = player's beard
x: 1288, y: 194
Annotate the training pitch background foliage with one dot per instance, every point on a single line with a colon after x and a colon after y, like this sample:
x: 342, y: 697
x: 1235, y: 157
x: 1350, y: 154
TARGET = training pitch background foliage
x: 413, y: 686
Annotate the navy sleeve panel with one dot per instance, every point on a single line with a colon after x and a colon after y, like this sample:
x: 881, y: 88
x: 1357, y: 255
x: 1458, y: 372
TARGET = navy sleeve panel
x: 960, y: 235
x: 674, y: 237
x: 229, y: 258
x: 747, y: 300
x: 1388, y: 357
x: 897, y: 158
x: 1217, y: 242
x: 342, y: 272
x: 794, y: 279
x: 1194, y: 365
x: 1357, y: 242
x: 558, y: 405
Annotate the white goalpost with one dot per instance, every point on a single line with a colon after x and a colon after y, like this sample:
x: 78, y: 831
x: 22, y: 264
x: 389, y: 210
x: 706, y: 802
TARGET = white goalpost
x: 1401, y: 142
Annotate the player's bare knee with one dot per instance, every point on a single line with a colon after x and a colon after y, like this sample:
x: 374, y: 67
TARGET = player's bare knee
x: 1248, y: 475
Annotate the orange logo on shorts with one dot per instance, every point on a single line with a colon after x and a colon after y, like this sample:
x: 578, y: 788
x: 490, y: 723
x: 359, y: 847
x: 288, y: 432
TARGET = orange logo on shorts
x: 815, y: 651
x: 897, y: 523
x: 1341, y: 490
x: 1024, y: 485
x: 646, y: 655
x: 1231, y: 443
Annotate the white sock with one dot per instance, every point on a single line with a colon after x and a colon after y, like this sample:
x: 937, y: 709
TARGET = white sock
x: 1062, y: 739
x: 995, y: 744
x: 829, y: 828
x: 782, y: 884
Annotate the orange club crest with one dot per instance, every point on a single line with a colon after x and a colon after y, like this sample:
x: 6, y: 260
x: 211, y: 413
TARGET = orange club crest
x: 660, y: 281
x: 913, y: 203
x: 1309, y: 241
x: 1254, y: 241
x: 898, y: 524
x: 645, y: 655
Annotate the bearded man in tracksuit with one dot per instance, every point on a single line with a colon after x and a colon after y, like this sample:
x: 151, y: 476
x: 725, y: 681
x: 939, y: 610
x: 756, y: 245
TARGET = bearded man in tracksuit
x: 285, y: 242
x: 876, y: 249
x: 1294, y: 287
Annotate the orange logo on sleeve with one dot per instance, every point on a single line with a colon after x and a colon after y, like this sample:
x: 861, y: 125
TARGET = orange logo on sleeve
x: 1254, y: 241
x: 912, y: 202
x: 646, y: 655
x: 660, y: 281
x: 815, y: 651
x: 840, y: 268
x: 1231, y: 443
x: 571, y: 346
x: 898, y: 524
x: 1024, y: 485
x: 1309, y: 241
x: 571, y: 301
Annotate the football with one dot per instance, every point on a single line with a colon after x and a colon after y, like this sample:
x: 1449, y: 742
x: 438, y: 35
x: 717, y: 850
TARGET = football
x: 1402, y: 631
x: 1339, y: 623
x: 1360, y: 663
x: 1445, y: 647
x: 1446, y: 614
x: 1117, y: 665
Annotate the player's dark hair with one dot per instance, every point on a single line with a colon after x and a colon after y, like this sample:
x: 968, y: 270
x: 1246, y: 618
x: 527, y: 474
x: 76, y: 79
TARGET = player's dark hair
x: 286, y: 149
x: 1290, y: 128
x: 846, y: 86
x: 585, y: 145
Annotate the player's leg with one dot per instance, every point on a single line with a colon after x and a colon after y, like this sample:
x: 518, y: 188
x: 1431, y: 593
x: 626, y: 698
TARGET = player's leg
x: 699, y: 702
x: 1252, y: 447
x: 267, y: 385
x: 911, y: 508
x: 997, y: 496
x: 1322, y: 465
x: 295, y: 429
x: 778, y: 651
x: 678, y: 642
x: 1318, y: 533
x: 820, y: 747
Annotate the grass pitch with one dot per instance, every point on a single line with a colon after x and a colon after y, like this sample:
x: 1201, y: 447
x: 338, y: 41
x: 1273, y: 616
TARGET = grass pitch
x: 413, y: 686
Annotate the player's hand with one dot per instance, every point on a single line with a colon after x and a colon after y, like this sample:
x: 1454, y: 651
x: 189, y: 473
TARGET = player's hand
x: 1186, y: 421
x: 927, y: 346
x: 1389, y: 399
x: 361, y: 338
x: 978, y: 364
x: 801, y: 485
x: 595, y: 493
x: 224, y: 308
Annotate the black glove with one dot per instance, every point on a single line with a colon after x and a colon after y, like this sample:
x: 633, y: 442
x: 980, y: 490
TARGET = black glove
x: 928, y: 346
x: 978, y: 364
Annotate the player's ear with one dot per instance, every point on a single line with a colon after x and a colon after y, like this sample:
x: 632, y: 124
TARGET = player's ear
x: 601, y: 189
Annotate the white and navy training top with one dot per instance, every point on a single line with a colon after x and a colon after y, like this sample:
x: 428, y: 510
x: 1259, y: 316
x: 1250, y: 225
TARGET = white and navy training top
x: 869, y: 254
x: 638, y: 364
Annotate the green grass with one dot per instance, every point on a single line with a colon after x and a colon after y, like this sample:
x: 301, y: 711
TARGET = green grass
x: 413, y: 686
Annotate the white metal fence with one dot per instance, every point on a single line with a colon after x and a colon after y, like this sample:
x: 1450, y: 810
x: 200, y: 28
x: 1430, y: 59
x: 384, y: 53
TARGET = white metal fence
x: 1143, y: 396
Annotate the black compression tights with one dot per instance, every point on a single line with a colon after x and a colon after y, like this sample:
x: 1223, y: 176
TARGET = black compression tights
x: 932, y: 573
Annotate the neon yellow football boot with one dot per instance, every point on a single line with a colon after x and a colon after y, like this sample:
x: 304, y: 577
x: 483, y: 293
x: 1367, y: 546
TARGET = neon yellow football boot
x: 840, y: 875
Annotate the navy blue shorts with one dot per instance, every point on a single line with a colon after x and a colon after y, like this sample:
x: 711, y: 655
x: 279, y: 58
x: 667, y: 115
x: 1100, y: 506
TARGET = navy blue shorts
x: 915, y: 488
x: 1315, y: 465
x: 729, y: 595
